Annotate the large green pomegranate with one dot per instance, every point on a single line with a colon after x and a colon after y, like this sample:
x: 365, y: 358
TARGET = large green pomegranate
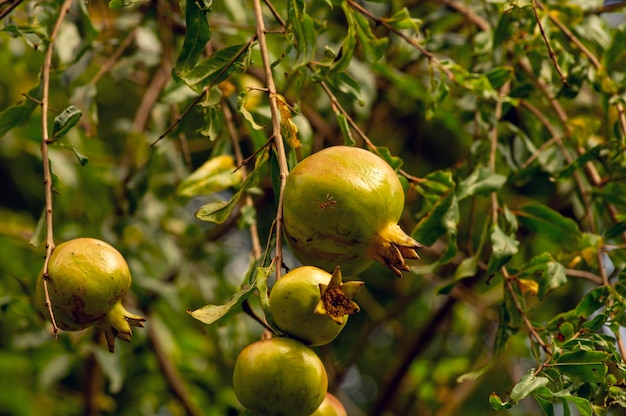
x: 87, y: 280
x: 312, y: 305
x: 279, y: 377
x: 341, y: 207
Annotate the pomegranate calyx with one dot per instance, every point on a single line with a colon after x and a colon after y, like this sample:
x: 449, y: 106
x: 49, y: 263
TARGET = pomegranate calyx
x: 117, y: 323
x: 336, y: 297
x: 391, y: 247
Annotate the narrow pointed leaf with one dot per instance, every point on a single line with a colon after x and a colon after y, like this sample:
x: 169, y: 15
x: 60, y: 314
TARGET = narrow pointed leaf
x: 210, y: 314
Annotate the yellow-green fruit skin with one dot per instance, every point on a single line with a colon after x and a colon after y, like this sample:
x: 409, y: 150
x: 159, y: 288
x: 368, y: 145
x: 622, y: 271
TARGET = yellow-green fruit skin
x: 86, y: 279
x: 331, y: 406
x: 293, y: 299
x: 335, y: 203
x: 279, y: 377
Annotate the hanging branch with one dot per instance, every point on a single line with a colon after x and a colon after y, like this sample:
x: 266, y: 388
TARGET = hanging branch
x: 382, y: 22
x: 550, y: 50
x: 47, y: 171
x: 276, y: 133
x: 619, y: 106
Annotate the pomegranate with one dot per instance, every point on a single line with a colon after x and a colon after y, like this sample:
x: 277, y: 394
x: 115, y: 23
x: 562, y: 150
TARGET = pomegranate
x: 312, y: 305
x: 279, y: 377
x: 87, y: 280
x: 331, y: 406
x: 341, y: 208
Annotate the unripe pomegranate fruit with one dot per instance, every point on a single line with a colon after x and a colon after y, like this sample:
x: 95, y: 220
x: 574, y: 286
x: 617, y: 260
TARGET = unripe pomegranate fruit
x: 341, y: 207
x: 331, y: 406
x: 279, y: 377
x: 87, y: 280
x: 312, y: 305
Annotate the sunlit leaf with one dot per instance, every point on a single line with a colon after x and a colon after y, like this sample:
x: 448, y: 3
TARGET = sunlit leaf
x: 210, y: 314
x: 215, y: 175
x: 527, y: 385
x: 217, y: 212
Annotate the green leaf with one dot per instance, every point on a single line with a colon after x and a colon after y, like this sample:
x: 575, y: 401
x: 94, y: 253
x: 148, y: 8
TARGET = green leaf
x: 210, y: 314
x: 499, y: 76
x: 613, y: 192
x: 436, y: 223
x: 541, y: 219
x: 373, y: 47
x: 583, y: 405
x: 497, y: 404
x: 65, y: 121
x: 593, y: 301
x: 39, y: 234
x: 344, y: 57
x: 527, y: 385
x: 242, y: 99
x: 403, y: 20
x: 481, y: 181
x: 82, y: 159
x: 197, y: 35
x: 215, y: 175
x: 345, y: 129
x: 302, y: 27
x: 394, y: 161
x: 215, y: 68
x: 579, y: 162
x: 218, y: 212
x: 212, y: 125
x: 503, y: 249
x: 19, y: 114
x: 587, y: 366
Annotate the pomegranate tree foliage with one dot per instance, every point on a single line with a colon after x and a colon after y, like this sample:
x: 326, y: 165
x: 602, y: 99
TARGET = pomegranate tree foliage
x: 505, y: 120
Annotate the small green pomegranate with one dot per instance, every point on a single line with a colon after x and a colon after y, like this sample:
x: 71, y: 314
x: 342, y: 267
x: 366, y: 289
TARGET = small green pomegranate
x: 279, y: 377
x: 312, y: 305
x: 87, y: 280
x: 341, y: 207
x: 331, y: 406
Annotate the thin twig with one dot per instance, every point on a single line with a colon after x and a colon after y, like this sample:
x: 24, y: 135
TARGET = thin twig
x: 431, y: 57
x: 171, y: 374
x: 10, y: 8
x: 45, y: 140
x: 275, y: 13
x: 607, y: 8
x: 206, y: 89
x: 550, y: 50
x: 466, y: 11
x: 529, y: 325
x: 257, y: 250
x: 585, y: 275
x: 106, y: 67
x: 592, y: 58
x: 278, y: 138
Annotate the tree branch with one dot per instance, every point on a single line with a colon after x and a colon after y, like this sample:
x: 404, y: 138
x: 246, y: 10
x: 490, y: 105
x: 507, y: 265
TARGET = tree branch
x: 45, y: 140
x: 276, y: 133
x: 431, y: 57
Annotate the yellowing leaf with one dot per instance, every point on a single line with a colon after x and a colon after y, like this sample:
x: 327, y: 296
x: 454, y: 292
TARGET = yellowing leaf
x: 528, y: 286
x: 288, y: 128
